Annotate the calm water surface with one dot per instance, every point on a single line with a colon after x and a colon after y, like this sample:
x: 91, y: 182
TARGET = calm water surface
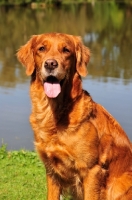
x: 106, y: 28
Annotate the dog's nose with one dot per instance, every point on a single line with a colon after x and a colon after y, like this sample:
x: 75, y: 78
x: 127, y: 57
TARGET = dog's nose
x: 51, y: 64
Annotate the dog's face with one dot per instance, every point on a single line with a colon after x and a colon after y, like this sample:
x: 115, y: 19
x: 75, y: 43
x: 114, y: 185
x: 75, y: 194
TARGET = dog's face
x: 55, y: 57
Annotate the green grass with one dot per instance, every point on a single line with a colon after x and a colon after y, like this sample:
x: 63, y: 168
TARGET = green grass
x: 22, y: 176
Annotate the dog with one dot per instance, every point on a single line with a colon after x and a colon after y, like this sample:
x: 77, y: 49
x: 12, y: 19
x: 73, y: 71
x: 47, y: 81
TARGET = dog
x: 84, y: 149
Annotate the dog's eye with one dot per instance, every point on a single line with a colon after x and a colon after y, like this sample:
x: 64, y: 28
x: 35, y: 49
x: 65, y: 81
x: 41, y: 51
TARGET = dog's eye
x: 66, y: 50
x: 41, y: 48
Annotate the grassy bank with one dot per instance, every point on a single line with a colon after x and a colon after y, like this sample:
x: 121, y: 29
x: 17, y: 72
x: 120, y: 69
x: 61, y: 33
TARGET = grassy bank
x: 22, y: 176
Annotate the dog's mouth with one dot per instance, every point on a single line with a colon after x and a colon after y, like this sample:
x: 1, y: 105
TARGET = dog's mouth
x: 52, y: 87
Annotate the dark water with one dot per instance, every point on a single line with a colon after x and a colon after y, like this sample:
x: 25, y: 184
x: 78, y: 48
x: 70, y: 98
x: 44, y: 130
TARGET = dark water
x: 106, y: 28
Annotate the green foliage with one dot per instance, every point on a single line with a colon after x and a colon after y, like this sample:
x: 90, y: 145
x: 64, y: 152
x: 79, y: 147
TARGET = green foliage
x: 24, y: 2
x: 15, y: 2
x: 3, y: 152
x: 119, y: 19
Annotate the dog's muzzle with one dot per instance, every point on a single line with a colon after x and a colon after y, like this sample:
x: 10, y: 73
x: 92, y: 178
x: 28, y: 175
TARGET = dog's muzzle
x: 50, y: 65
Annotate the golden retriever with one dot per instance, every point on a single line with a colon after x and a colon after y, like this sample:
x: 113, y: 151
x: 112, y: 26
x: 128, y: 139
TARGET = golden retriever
x: 84, y: 149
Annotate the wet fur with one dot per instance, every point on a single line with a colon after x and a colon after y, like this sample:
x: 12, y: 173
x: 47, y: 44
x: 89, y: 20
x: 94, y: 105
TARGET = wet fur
x: 84, y: 149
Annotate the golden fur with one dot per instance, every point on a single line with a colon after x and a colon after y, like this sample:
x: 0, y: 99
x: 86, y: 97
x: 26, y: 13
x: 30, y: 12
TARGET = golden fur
x: 84, y: 149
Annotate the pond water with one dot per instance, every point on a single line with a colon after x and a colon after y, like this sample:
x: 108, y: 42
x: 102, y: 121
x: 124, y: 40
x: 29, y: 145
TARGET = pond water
x: 106, y: 28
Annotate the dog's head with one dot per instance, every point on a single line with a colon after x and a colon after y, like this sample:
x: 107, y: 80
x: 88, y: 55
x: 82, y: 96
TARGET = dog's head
x: 54, y: 56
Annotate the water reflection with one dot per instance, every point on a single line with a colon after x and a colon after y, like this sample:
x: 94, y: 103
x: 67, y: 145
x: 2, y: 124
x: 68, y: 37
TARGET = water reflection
x: 106, y: 28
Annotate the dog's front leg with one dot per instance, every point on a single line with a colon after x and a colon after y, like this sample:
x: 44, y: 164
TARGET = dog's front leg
x: 93, y: 184
x: 54, y: 189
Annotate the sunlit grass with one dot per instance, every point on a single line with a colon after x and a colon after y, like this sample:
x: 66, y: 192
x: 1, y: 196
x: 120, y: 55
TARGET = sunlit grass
x: 22, y: 176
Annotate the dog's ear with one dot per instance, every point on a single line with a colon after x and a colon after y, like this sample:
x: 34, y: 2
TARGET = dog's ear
x: 25, y: 56
x: 82, y: 56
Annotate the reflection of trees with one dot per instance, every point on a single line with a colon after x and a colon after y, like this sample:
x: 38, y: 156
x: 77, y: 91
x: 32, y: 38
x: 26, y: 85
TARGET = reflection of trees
x: 111, y: 42
x: 105, y: 28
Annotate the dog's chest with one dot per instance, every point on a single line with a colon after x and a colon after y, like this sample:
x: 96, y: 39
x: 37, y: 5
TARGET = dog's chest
x: 67, y: 149
x: 69, y: 153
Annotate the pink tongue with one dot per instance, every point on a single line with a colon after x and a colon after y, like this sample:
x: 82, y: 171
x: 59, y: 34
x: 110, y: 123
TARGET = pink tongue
x: 52, y: 90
